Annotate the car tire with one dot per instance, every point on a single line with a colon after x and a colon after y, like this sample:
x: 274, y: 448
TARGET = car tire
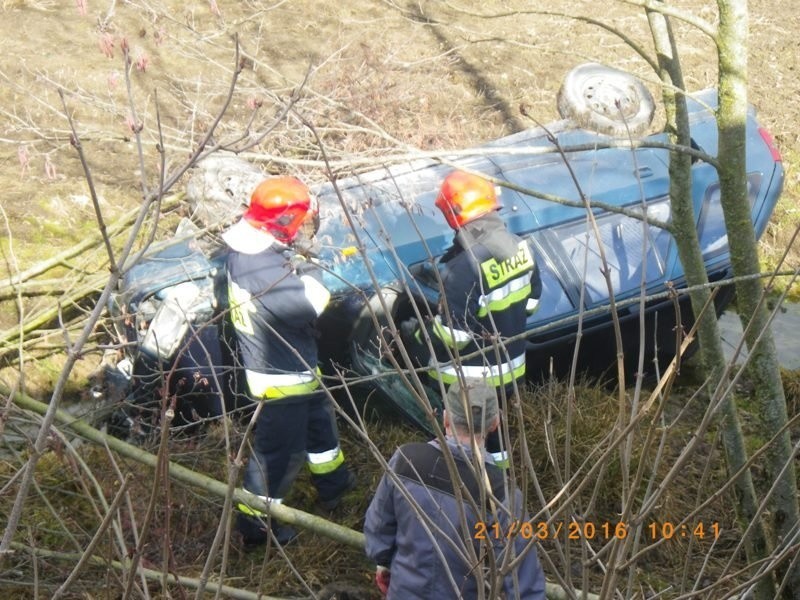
x: 606, y: 100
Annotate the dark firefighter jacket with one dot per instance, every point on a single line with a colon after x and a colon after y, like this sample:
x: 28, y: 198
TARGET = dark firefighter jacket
x: 274, y: 311
x: 490, y: 284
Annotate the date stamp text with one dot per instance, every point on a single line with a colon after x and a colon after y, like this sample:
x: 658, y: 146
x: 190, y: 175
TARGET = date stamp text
x: 596, y: 530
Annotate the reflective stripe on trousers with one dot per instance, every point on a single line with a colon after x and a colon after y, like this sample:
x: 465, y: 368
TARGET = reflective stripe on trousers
x: 254, y: 512
x: 320, y: 463
x: 494, y: 375
x: 500, y: 458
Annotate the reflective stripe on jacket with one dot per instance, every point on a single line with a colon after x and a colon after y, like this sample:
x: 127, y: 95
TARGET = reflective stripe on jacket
x: 274, y: 386
x: 494, y: 375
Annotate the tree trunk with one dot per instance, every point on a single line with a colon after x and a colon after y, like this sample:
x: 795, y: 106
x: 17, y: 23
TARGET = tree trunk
x: 763, y: 368
x: 709, y: 339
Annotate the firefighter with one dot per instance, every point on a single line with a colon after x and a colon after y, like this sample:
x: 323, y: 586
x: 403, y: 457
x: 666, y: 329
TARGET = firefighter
x: 275, y: 297
x: 490, y: 285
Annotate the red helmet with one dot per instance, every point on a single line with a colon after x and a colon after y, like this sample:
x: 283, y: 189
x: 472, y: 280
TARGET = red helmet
x: 280, y: 206
x: 465, y: 197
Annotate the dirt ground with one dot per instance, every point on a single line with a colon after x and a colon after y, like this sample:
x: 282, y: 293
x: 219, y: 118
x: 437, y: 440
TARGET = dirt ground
x: 373, y: 78
x: 380, y: 75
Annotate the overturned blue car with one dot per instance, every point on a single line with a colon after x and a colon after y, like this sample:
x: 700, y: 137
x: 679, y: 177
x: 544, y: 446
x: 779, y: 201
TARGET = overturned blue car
x: 379, y: 237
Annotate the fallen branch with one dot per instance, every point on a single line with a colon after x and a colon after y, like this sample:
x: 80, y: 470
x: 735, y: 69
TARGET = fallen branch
x: 180, y: 473
x: 8, y: 337
x: 189, y: 582
x: 30, y: 289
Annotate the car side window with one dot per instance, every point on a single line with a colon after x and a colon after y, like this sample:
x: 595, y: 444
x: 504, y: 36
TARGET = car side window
x: 711, y: 229
x: 559, y: 280
x: 628, y: 249
x: 553, y: 302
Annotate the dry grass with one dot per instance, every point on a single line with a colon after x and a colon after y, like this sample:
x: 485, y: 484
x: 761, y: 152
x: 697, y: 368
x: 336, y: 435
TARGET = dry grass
x: 593, y: 416
x: 189, y: 518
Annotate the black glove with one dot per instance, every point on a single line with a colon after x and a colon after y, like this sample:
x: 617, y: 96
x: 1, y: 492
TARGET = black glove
x: 408, y: 331
x: 307, y: 246
x: 413, y: 341
x: 422, y: 271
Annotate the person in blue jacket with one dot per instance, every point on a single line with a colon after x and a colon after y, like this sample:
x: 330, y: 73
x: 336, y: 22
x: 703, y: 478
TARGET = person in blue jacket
x: 438, y: 528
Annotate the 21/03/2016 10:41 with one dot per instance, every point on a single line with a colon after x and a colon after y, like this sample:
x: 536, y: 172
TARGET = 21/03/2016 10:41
x: 590, y: 530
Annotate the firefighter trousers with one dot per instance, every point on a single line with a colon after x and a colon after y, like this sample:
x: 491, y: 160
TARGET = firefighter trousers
x: 287, y: 434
